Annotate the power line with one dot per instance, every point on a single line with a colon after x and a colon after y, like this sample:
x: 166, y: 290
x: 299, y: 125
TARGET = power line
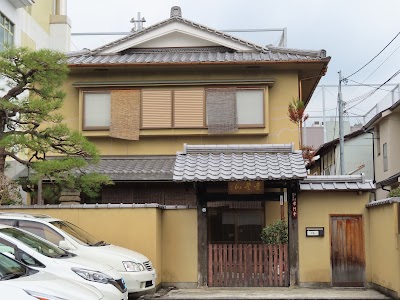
x: 372, y: 58
x: 370, y: 86
x: 373, y: 92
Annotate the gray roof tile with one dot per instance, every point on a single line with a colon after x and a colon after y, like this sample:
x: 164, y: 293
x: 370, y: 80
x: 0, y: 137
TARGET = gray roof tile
x: 238, y: 162
x: 337, y: 183
x: 135, y: 168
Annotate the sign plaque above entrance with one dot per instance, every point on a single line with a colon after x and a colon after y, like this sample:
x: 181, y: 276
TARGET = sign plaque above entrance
x: 246, y: 187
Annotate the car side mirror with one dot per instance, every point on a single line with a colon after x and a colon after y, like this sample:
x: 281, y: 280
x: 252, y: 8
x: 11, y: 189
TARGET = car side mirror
x: 63, y: 244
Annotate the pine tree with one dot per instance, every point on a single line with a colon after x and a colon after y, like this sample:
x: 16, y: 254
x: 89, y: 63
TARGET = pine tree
x: 31, y: 128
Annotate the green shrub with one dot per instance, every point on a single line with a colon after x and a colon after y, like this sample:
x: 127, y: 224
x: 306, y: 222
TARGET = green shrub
x: 395, y: 192
x: 276, y: 233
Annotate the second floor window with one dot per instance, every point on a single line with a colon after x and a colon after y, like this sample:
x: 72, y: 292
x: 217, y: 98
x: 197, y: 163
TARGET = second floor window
x: 385, y: 157
x: 96, y: 110
x: 6, y: 32
x: 175, y: 108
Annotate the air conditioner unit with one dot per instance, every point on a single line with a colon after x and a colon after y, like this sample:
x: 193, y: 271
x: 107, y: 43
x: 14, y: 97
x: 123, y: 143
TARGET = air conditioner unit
x: 21, y: 3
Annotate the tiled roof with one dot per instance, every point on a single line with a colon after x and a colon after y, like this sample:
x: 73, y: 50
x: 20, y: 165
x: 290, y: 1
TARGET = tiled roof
x: 238, y: 162
x: 160, y: 57
x: 256, y: 53
x: 336, y: 183
x: 135, y: 168
x: 184, y: 21
x: 383, y: 202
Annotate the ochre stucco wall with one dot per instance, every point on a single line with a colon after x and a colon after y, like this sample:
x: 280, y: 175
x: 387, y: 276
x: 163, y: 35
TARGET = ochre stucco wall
x: 41, y: 11
x: 168, y: 141
x: 384, y: 235
x: 314, y: 210
x: 179, y: 246
x: 167, y: 237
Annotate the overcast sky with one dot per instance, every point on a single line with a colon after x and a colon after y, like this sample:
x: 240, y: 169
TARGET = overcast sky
x: 351, y: 31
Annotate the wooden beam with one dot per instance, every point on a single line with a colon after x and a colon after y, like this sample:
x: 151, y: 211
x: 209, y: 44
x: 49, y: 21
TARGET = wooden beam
x: 201, y: 236
x: 269, y: 196
x: 293, y: 237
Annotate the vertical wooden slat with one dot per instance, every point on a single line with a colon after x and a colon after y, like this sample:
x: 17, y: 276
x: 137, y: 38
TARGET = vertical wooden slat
x: 266, y: 265
x: 240, y: 253
x: 260, y: 265
x: 275, y: 265
x: 286, y: 264
x: 220, y: 264
x: 229, y: 267
x: 234, y: 266
x: 224, y: 265
x: 215, y: 266
x: 271, y: 265
x: 280, y: 265
x: 210, y: 265
x: 254, y: 261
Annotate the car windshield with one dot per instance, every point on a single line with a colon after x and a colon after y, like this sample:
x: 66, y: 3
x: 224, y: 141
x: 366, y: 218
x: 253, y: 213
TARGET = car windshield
x: 35, y: 243
x: 10, y: 269
x: 78, y: 233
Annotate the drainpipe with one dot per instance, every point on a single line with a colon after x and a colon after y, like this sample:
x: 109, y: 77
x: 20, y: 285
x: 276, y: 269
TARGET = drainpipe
x: 373, y: 160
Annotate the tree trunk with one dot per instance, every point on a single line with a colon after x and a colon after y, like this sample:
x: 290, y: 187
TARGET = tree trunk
x: 2, y: 160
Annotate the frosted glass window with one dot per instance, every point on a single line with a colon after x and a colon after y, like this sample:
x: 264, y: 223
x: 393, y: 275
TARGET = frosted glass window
x: 96, y: 110
x: 250, y: 107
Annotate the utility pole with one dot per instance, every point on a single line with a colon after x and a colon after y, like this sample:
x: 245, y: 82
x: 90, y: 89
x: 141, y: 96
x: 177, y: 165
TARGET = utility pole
x: 341, y: 125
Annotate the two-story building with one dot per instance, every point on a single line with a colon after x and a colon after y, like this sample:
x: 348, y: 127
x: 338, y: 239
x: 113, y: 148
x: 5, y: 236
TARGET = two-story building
x: 193, y: 130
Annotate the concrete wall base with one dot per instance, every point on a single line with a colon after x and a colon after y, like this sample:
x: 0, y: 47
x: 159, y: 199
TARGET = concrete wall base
x: 315, y: 285
x: 385, y: 291
x: 180, y: 285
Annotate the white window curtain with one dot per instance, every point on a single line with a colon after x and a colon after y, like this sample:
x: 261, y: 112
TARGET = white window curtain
x: 97, y: 107
x: 250, y: 107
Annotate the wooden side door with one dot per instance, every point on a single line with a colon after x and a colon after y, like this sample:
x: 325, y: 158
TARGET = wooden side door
x: 347, y: 251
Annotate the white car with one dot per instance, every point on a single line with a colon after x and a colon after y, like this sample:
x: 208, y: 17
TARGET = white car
x: 135, y: 268
x: 39, y: 254
x: 19, y: 282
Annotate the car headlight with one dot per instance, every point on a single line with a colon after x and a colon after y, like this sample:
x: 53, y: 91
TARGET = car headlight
x: 42, y: 296
x: 92, y: 275
x: 130, y: 266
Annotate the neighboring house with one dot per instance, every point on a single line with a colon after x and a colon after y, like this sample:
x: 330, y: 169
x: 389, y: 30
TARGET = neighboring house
x: 358, y: 156
x: 35, y: 24
x: 319, y: 133
x: 385, y: 127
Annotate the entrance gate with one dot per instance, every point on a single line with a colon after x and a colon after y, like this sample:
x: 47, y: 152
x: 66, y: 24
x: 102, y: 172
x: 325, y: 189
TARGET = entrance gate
x: 252, y: 265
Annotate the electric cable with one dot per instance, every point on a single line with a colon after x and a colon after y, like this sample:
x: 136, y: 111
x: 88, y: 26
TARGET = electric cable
x: 373, y: 92
x: 372, y: 58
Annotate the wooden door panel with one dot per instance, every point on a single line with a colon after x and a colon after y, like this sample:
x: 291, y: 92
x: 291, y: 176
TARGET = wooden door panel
x: 347, y: 251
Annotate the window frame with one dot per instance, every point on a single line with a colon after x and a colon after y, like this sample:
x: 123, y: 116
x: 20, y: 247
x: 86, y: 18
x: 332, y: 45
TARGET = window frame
x: 94, y: 128
x: 8, y: 31
x: 385, y: 157
x: 173, y: 126
x: 263, y: 108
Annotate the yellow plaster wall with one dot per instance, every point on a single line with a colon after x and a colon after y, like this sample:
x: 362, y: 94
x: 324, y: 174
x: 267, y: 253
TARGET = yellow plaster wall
x: 167, y: 237
x: 273, y: 212
x: 384, y: 235
x: 41, y: 11
x: 179, y: 246
x: 314, y: 210
x: 138, y: 229
x: 167, y: 141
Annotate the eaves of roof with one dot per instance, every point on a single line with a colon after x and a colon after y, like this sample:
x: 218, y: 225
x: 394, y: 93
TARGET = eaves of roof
x: 336, y: 183
x: 379, y: 115
x: 388, y: 181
